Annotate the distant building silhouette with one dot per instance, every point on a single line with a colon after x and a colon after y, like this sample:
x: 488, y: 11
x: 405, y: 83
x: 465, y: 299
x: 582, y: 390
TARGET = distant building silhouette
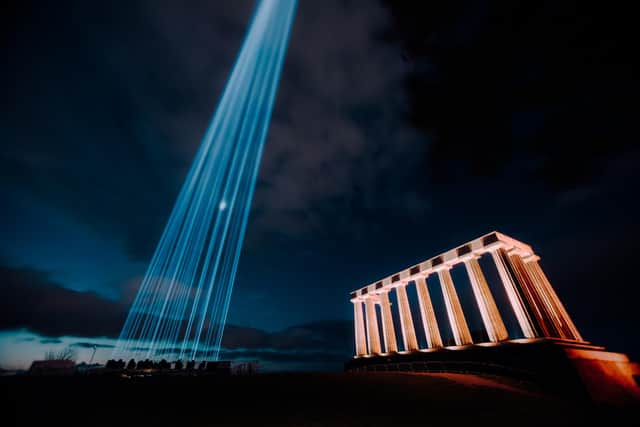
x: 52, y: 367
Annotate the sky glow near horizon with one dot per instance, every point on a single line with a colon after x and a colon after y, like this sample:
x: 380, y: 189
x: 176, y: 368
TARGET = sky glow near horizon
x: 14, y: 344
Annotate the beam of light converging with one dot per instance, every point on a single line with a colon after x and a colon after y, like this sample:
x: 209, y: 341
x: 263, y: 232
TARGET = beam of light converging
x: 181, y: 307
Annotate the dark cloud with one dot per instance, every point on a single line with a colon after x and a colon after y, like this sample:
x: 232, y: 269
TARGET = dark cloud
x: 328, y: 335
x: 83, y: 110
x: 85, y: 344
x: 50, y: 341
x: 28, y: 300
x: 122, y: 95
x: 319, y: 358
x: 331, y: 166
x: 31, y: 301
x: 548, y: 87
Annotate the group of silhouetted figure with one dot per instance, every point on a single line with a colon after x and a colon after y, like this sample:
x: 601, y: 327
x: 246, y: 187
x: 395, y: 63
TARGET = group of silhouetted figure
x: 177, y: 366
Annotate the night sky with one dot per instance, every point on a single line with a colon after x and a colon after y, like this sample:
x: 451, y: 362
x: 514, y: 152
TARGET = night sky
x: 399, y: 131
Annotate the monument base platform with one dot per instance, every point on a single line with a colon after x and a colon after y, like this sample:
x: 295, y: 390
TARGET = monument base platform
x: 562, y: 367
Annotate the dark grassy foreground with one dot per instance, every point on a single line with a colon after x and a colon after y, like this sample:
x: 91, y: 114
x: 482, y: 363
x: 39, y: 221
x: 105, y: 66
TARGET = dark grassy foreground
x: 341, y: 399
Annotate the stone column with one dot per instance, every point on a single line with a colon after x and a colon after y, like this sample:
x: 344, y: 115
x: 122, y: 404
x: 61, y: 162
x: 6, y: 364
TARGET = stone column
x: 388, y: 331
x: 406, y: 322
x: 537, y: 308
x: 429, y: 321
x: 567, y: 326
x: 360, y: 336
x: 551, y: 309
x: 458, y: 323
x: 501, y: 260
x: 488, y: 310
x: 373, y: 333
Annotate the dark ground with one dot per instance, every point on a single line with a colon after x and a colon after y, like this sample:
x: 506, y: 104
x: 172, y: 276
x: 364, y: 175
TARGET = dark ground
x: 300, y: 399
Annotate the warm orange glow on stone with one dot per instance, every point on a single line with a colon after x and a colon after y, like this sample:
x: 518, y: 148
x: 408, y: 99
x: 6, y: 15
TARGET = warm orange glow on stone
x: 457, y: 321
x: 608, y: 376
x: 361, y: 343
x: 429, y: 322
x: 517, y: 304
x: 373, y: 333
x: 406, y: 322
x: 545, y: 286
x: 389, y: 333
x: 535, y: 304
x: 488, y: 310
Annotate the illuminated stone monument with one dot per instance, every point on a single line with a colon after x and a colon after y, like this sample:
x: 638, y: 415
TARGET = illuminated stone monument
x: 538, y: 309
x: 550, y: 347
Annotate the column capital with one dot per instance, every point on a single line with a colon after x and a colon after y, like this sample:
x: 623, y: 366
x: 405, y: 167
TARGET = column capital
x: 384, y: 290
x: 468, y: 257
x: 442, y: 267
x: 518, y: 251
x: 530, y: 258
x: 398, y: 284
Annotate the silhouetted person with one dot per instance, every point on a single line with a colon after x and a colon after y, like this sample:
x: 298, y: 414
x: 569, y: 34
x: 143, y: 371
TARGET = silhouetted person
x: 131, y: 365
x: 202, y: 366
x: 191, y: 365
x: 178, y: 365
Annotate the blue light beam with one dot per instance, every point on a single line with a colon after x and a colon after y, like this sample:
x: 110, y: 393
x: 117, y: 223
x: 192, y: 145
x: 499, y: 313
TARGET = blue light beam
x: 181, y: 307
